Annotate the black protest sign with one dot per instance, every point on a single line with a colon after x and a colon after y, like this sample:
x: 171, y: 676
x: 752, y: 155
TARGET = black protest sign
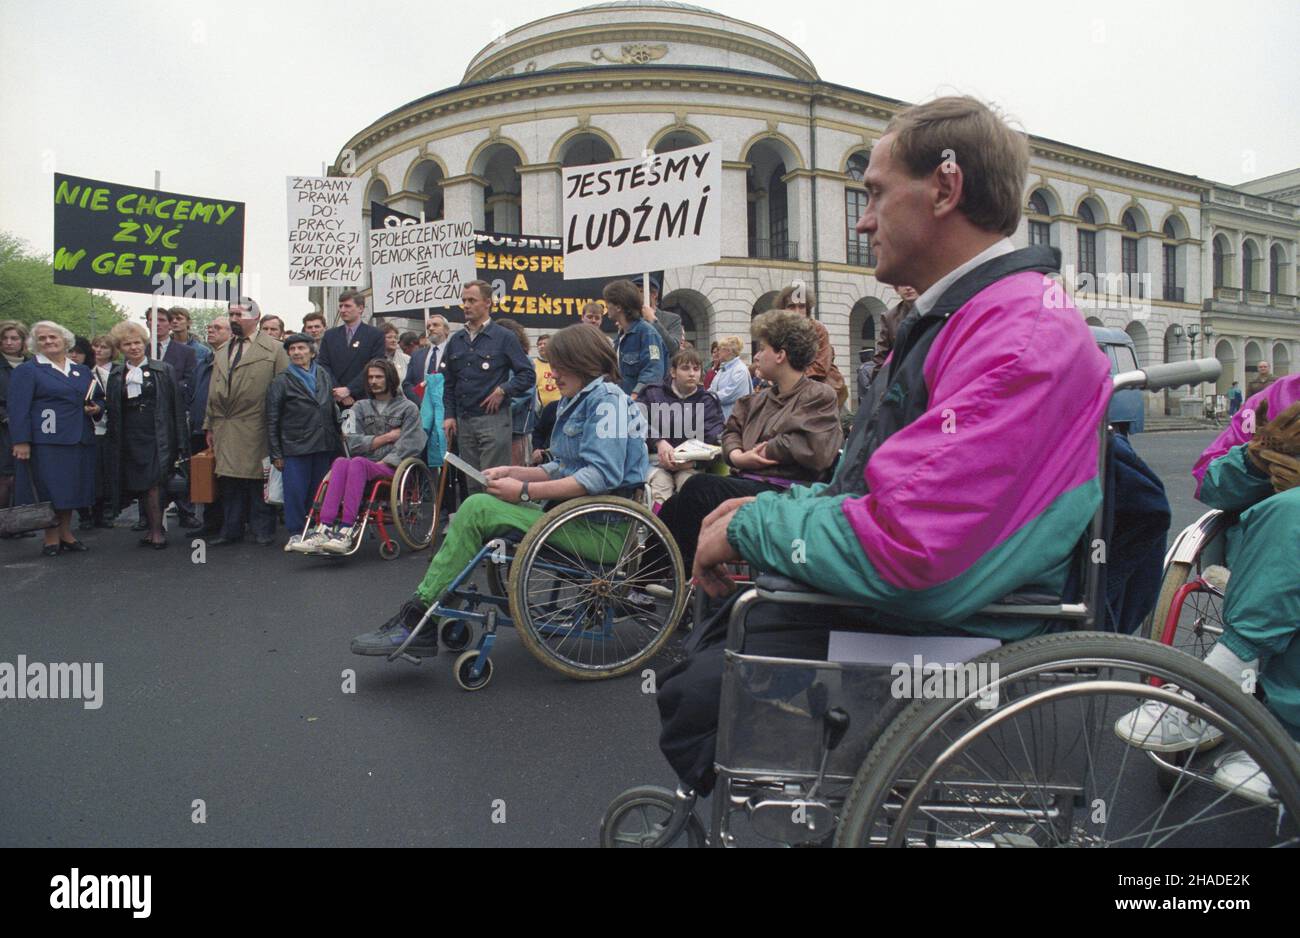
x: 115, y: 237
x: 527, y: 277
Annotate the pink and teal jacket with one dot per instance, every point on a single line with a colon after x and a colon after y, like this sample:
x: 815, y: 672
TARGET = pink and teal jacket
x: 1225, y: 478
x: 972, y: 470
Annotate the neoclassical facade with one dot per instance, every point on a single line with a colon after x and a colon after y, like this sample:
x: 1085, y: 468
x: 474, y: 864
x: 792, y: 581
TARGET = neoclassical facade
x: 615, y: 80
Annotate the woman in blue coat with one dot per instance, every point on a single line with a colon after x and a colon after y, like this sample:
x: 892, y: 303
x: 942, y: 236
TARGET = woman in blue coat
x: 51, y: 421
x: 13, y: 352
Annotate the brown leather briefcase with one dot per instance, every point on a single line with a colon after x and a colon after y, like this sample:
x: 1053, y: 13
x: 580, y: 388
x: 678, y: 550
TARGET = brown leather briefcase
x: 203, y: 477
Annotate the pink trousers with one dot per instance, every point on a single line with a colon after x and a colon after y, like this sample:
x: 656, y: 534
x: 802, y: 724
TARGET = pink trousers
x: 349, y: 479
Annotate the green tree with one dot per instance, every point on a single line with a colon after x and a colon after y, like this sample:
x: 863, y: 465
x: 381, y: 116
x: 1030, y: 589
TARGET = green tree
x: 28, y: 293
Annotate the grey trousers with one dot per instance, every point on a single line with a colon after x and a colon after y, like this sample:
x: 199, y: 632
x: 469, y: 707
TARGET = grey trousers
x: 484, y: 441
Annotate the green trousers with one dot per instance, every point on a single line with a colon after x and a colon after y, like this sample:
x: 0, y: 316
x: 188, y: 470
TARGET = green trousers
x: 483, y: 517
x: 1262, y: 606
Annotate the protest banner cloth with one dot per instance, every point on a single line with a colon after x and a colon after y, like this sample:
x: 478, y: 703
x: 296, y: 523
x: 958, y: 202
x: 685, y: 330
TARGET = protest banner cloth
x: 326, y: 235
x: 422, y: 265
x: 660, y: 211
x: 109, y: 236
x: 529, y: 281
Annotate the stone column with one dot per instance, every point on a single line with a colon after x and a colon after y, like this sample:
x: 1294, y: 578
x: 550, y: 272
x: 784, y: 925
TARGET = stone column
x: 734, y: 209
x: 541, y: 199
x: 462, y: 197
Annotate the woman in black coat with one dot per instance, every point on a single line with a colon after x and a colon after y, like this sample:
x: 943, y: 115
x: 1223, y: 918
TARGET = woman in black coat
x: 13, y: 352
x: 148, y: 430
x: 302, y: 430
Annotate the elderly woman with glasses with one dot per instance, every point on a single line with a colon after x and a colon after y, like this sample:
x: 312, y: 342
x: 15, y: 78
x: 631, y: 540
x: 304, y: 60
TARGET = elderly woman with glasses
x: 52, y: 405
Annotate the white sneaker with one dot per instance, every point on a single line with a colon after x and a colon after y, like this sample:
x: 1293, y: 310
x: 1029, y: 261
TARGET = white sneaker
x: 310, y: 544
x: 1238, y: 773
x: 1158, y: 727
x: 294, y: 539
x: 337, y: 544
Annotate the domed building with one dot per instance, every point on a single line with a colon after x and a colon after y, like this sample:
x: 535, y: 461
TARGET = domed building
x: 614, y: 80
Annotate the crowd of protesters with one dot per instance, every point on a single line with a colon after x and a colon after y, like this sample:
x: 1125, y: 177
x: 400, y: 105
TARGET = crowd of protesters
x: 271, y: 408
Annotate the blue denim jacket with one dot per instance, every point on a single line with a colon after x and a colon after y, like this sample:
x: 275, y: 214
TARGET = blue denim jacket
x: 599, y: 440
x: 642, y: 357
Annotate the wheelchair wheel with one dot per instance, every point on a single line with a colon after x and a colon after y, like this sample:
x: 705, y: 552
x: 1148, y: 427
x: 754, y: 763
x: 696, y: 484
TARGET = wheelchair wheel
x: 413, y: 498
x: 455, y: 635
x: 638, y: 817
x: 1196, y: 603
x: 464, y: 668
x: 390, y: 550
x: 1045, y: 766
x: 596, y: 587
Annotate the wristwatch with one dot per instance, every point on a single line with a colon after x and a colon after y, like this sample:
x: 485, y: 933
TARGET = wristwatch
x: 523, y: 494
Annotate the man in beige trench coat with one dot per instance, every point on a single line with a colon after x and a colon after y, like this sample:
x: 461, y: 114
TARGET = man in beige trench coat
x: 236, y: 423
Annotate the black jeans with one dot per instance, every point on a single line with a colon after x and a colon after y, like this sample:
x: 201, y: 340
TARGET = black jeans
x: 241, y: 500
x: 685, y: 512
x: 690, y: 691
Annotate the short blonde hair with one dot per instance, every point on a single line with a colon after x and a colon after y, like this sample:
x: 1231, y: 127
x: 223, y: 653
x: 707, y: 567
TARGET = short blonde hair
x: 68, y: 338
x: 105, y: 339
x: 733, y: 342
x: 128, y: 330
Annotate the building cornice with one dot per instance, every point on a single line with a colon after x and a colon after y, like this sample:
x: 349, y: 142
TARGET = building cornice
x: 505, y: 61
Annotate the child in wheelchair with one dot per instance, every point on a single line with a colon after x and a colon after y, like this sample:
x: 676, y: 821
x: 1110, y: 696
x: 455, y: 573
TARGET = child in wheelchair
x: 1252, y: 468
x: 597, y: 447
x: 379, y: 431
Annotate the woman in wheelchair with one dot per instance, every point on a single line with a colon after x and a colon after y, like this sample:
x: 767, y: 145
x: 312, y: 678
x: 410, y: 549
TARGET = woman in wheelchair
x: 383, y: 429
x: 1252, y: 468
x: 597, y: 447
x: 789, y: 432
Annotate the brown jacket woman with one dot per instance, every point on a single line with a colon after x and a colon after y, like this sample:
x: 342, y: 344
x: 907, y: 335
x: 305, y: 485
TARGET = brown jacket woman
x: 801, y: 429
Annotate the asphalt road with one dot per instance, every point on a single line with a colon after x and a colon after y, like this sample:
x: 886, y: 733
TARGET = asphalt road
x: 223, y: 683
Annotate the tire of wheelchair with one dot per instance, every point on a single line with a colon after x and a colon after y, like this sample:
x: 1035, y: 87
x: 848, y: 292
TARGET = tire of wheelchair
x: 647, y: 800
x: 517, y: 586
x: 895, y: 754
x: 413, y: 472
x: 1176, y: 577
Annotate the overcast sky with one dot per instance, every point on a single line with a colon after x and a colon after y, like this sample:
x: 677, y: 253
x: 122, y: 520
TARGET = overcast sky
x: 226, y: 99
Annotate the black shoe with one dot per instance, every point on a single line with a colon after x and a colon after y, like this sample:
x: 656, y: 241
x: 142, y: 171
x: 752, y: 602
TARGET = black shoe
x: 264, y: 541
x: 223, y: 541
x: 50, y: 550
x: 160, y: 545
x: 75, y: 547
x: 189, y: 521
x: 388, y: 637
x: 141, y: 525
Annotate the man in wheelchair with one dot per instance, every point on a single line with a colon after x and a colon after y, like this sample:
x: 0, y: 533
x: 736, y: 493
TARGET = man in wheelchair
x: 597, y: 447
x: 972, y: 468
x: 1252, y: 468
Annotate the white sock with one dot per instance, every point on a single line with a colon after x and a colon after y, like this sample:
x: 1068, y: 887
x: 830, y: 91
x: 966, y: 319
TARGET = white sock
x: 1222, y: 659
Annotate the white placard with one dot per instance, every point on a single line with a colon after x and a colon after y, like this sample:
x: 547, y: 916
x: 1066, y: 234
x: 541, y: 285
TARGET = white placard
x: 420, y: 266
x: 326, y: 234
x: 657, y: 212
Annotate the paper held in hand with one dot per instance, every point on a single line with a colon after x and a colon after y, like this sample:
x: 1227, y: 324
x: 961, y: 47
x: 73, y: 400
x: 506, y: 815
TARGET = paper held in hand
x: 466, y: 468
x: 696, y: 451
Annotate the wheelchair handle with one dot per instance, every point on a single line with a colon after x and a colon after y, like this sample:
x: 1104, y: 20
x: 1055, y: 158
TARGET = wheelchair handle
x: 1173, y: 375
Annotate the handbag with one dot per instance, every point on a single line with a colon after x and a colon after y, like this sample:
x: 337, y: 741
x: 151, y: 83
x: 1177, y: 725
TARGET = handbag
x: 203, y: 478
x: 23, y: 518
x: 273, y: 487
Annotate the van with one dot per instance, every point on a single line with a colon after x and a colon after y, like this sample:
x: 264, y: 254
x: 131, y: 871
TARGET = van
x: 1127, y: 412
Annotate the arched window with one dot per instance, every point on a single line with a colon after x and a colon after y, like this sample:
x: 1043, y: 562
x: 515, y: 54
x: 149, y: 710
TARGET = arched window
x: 1170, y: 254
x: 502, y: 196
x: 1248, y: 266
x: 1275, y: 262
x: 1129, y: 248
x: 677, y: 140
x: 768, y: 209
x: 1087, y: 252
x: 1040, y: 231
x: 857, y: 246
x: 1220, y: 262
